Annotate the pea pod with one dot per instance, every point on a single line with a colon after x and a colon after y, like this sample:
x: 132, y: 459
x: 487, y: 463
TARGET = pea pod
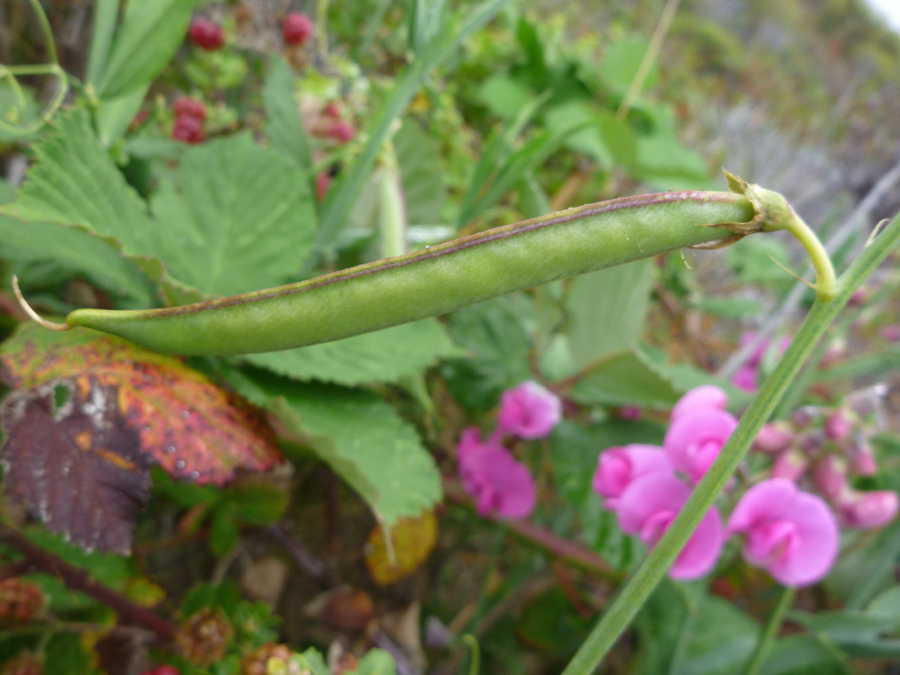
x: 441, y: 278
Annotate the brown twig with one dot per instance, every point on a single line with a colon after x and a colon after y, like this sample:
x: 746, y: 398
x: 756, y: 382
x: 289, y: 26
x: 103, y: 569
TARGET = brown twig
x: 569, y: 552
x: 79, y: 579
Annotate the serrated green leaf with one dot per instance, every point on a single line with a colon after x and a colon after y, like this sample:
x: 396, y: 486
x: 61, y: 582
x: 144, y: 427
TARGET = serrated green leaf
x: 76, y: 249
x: 243, y: 219
x: 74, y: 182
x: 284, y: 128
x: 606, y: 310
x: 145, y: 42
x: 384, y: 356
x: 421, y: 173
x: 366, y: 443
x: 498, y: 350
x: 625, y: 378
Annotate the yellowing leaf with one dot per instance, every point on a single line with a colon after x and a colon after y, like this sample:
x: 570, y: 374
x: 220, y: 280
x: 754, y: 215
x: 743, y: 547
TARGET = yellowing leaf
x: 412, y: 541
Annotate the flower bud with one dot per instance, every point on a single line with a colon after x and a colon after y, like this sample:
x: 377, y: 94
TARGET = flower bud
x: 838, y: 425
x: 789, y: 464
x: 772, y: 438
x: 830, y: 476
x: 868, y: 510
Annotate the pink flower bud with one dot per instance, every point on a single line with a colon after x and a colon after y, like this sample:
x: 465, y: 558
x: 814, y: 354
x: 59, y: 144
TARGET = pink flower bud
x: 838, y: 425
x: 746, y: 378
x: 891, y: 333
x: 647, y: 508
x: 791, y: 534
x: 501, y: 486
x: 868, y: 510
x: 529, y: 411
x: 830, y: 476
x: 617, y: 468
x: 695, y: 439
x: 772, y: 438
x: 862, y: 461
x: 630, y: 412
x: 789, y: 465
x: 704, y: 396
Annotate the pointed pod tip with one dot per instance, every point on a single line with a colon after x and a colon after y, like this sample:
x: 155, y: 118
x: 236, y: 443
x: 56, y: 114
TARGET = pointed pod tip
x: 37, y: 318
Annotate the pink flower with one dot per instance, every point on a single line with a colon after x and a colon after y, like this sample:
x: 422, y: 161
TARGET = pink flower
x: 617, y: 468
x: 528, y: 411
x: 647, y: 508
x: 862, y: 461
x: 792, y: 534
x: 704, y: 396
x: 695, y: 439
x: 746, y: 378
x: 868, y: 510
x: 500, y: 485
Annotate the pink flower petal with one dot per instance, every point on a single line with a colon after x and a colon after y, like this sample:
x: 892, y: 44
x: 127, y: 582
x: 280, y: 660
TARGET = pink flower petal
x: 792, y: 534
x: 649, y: 505
x: 618, y: 467
x: 529, y: 411
x: 500, y: 485
x: 705, y: 396
x: 695, y: 439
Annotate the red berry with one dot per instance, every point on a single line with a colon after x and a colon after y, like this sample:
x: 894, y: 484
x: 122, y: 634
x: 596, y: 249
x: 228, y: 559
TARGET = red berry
x: 342, y: 131
x: 332, y: 110
x: 206, y: 34
x: 296, y: 28
x: 188, y: 129
x: 189, y: 107
x: 166, y: 669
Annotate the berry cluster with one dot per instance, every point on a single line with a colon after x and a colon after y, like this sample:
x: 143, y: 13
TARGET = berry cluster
x: 190, y: 114
x: 271, y: 658
x: 20, y: 601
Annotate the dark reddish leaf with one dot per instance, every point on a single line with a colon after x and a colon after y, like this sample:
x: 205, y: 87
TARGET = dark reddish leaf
x: 72, y: 461
x: 90, y: 415
x: 188, y: 426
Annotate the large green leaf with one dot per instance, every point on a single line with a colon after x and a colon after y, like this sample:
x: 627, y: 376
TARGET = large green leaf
x: 283, y: 125
x: 625, y: 378
x: 77, y: 250
x: 242, y: 220
x: 145, y: 42
x: 422, y: 175
x: 803, y: 655
x: 621, y: 62
x: 606, y: 310
x: 74, y: 182
x: 383, y: 356
x: 365, y: 442
x: 498, y: 347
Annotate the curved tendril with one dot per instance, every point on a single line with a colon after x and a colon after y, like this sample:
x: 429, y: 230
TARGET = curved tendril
x: 52, y: 325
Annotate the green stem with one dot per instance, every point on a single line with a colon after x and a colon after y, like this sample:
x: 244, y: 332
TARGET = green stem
x: 649, y: 58
x: 648, y: 575
x: 771, y: 631
x: 392, y: 207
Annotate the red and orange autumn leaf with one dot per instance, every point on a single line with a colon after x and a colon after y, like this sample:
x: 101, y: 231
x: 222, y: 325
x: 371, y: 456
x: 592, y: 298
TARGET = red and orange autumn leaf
x: 91, y: 413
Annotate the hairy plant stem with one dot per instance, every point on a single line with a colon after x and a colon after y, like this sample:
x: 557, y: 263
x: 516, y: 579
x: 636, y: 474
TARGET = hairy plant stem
x: 771, y: 631
x: 634, y: 594
x: 79, y: 580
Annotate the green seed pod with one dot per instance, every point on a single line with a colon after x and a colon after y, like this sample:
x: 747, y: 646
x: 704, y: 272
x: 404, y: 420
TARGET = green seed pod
x: 435, y: 280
